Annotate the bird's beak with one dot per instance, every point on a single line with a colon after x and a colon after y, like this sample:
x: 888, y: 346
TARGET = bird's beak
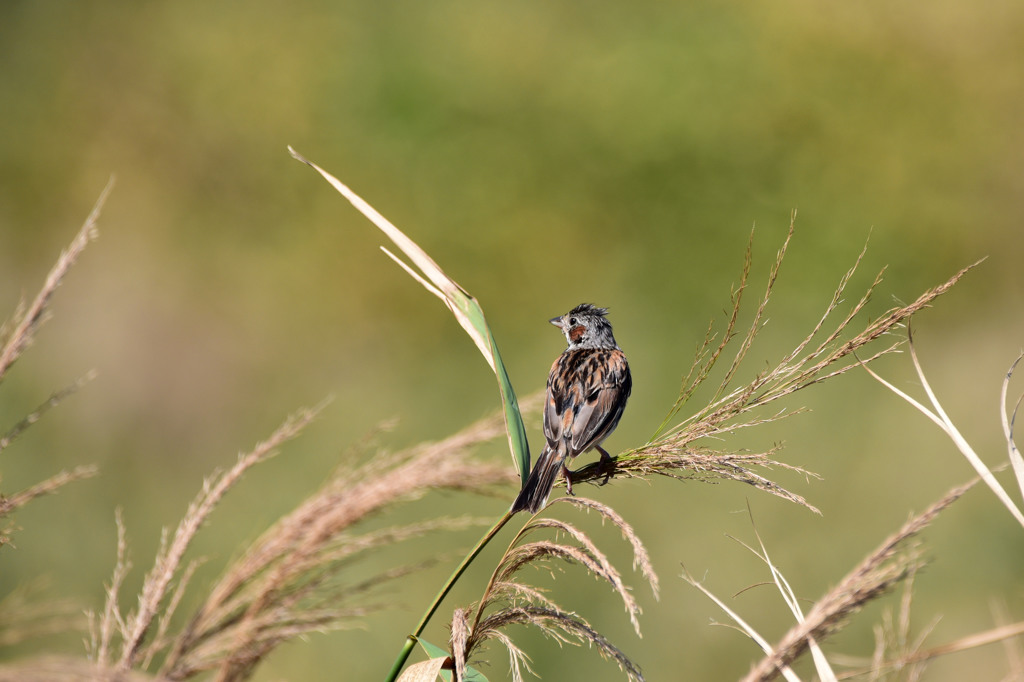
x: 557, y: 321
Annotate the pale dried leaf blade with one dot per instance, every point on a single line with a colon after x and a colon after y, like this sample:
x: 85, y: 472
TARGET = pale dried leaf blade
x: 742, y: 624
x: 463, y: 306
x: 460, y: 302
x: 960, y: 442
x: 424, y: 671
x: 415, y: 275
x: 1008, y: 423
x: 821, y: 664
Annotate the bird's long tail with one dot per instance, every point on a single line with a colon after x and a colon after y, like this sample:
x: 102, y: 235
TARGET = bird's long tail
x: 542, y: 479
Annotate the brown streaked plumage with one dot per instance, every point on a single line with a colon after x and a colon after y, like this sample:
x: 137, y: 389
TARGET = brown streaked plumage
x: 587, y: 391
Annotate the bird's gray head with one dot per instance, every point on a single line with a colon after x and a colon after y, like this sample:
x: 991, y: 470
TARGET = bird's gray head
x: 585, y: 326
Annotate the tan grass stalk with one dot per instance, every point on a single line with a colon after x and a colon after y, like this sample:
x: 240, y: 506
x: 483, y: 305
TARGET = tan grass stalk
x: 1003, y: 633
x: 55, y: 399
x: 1008, y: 420
x: 111, y: 621
x: 19, y: 332
x: 16, y: 335
x: 460, y: 642
x: 19, y: 499
x: 893, y: 640
x: 872, y: 577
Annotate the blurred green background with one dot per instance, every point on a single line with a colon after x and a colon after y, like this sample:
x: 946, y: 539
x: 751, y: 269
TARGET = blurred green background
x: 545, y: 153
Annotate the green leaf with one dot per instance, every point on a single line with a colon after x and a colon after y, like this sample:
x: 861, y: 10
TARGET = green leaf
x: 434, y: 651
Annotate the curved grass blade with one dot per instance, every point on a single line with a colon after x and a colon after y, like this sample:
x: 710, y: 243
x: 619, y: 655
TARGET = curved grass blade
x: 465, y: 308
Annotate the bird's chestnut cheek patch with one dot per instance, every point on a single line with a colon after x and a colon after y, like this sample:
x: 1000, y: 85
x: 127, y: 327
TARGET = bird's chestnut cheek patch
x: 576, y: 334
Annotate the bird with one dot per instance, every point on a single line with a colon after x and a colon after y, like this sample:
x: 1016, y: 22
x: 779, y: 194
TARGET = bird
x: 587, y: 391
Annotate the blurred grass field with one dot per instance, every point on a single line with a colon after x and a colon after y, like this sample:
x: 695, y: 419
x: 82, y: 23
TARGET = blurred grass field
x: 545, y: 153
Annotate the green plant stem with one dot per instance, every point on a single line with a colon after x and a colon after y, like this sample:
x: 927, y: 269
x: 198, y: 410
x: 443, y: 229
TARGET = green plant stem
x: 410, y: 641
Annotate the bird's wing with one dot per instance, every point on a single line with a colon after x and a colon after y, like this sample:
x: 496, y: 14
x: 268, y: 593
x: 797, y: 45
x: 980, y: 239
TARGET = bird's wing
x: 554, y: 405
x: 603, y: 385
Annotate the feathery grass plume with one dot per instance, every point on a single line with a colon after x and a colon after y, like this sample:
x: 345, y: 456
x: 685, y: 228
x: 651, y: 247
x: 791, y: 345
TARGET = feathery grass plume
x: 508, y: 601
x: 889, y: 564
x: 822, y: 355
x: 28, y: 613
x: 912, y: 660
x: 16, y: 335
x: 69, y: 669
x: 290, y: 582
x: 894, y: 646
x: 893, y: 635
x: 132, y: 629
x: 9, y: 503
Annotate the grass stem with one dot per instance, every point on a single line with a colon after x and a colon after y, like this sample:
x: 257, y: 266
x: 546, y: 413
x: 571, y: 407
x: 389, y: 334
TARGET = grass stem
x: 410, y: 641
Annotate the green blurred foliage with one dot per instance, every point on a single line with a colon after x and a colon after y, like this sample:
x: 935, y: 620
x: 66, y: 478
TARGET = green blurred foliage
x: 545, y: 153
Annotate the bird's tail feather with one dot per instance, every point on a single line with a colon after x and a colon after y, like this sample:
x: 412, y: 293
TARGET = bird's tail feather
x: 538, y: 486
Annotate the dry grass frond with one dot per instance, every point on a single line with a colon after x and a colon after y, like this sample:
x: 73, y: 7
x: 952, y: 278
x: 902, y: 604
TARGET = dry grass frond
x: 1003, y: 633
x: 287, y: 583
x: 820, y: 356
x: 9, y: 503
x: 68, y: 669
x: 460, y: 642
x: 27, y: 614
x: 55, y: 399
x: 168, y: 560
x: 874, y: 576
x: 700, y: 464
x: 17, y: 333
x: 509, y: 601
x: 641, y: 560
x: 893, y: 635
x: 111, y: 621
x: 562, y: 626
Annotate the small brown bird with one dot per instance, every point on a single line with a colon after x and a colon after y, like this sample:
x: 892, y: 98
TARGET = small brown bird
x: 587, y: 392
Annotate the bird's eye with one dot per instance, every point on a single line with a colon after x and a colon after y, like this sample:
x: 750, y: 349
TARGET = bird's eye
x: 572, y: 320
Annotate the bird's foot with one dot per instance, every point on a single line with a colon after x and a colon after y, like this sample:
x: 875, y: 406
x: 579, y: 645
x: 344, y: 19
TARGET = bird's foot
x: 605, y: 465
x: 568, y: 480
